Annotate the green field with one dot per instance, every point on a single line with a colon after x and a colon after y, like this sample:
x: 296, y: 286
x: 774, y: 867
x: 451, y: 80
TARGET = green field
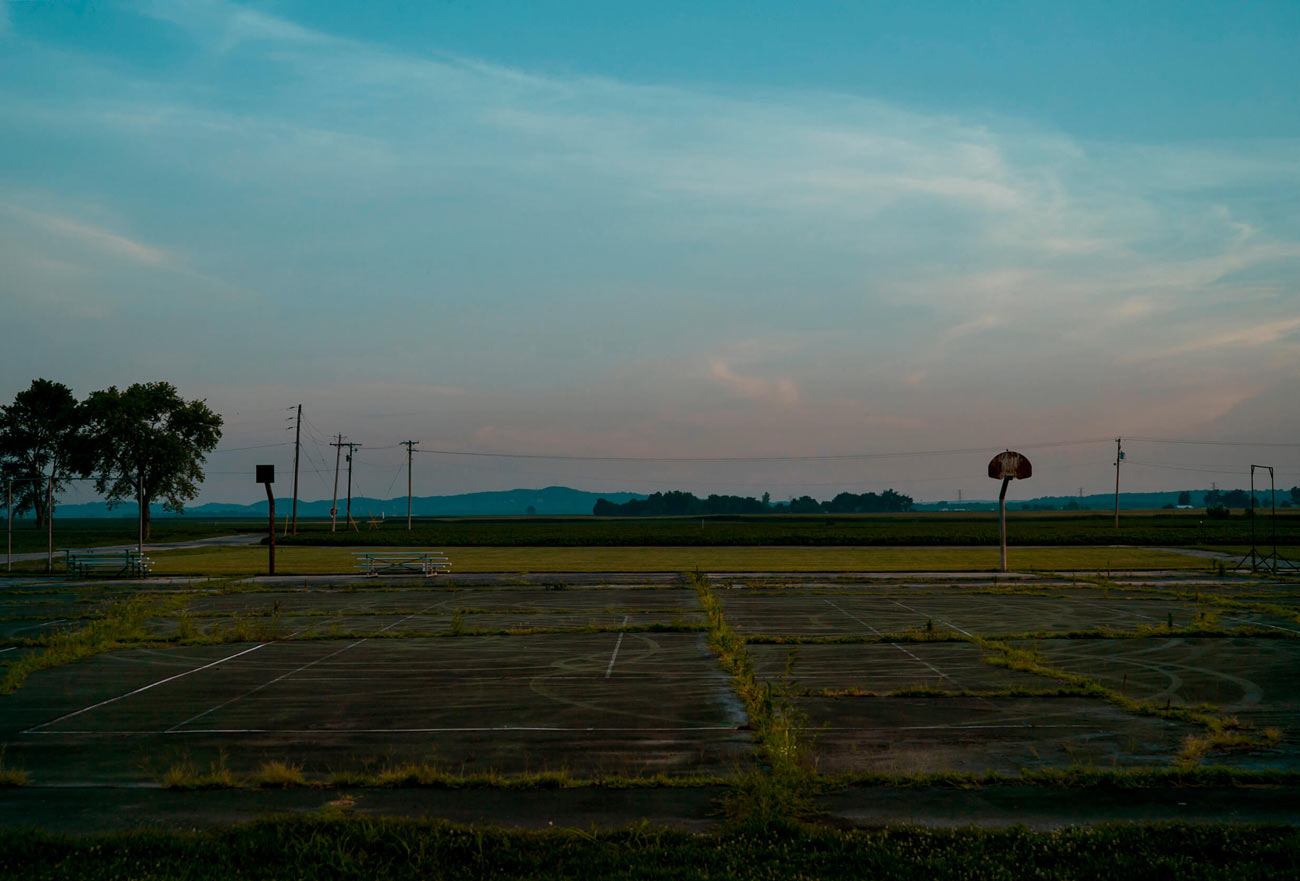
x: 1181, y: 529
x: 320, y: 561
x: 1148, y: 529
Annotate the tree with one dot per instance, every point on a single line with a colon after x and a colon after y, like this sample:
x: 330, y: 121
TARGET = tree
x: 37, y: 435
x: 147, y: 443
x: 1184, y: 499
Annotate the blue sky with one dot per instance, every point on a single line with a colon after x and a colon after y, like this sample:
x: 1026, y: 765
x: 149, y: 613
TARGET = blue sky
x: 668, y: 230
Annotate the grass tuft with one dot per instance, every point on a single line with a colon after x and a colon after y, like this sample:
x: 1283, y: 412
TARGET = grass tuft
x: 272, y: 775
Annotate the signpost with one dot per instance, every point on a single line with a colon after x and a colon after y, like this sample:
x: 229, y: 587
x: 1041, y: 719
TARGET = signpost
x: 266, y: 476
x: 1007, y: 466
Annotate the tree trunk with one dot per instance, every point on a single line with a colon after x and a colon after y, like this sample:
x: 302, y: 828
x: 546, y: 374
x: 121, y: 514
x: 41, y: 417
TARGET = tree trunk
x: 38, y: 504
x: 144, y: 517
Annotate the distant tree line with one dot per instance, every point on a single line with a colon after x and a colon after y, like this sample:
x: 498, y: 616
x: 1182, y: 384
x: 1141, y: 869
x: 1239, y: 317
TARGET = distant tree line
x: 676, y: 503
x: 143, y: 443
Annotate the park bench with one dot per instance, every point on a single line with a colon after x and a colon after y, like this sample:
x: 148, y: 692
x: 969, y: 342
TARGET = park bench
x: 426, y: 563
x: 113, y: 562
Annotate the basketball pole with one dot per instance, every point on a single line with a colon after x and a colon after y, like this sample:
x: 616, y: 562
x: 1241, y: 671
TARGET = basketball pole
x: 270, y: 501
x: 1002, y: 509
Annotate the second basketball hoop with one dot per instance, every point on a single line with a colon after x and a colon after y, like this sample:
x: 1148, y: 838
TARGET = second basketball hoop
x: 1007, y: 466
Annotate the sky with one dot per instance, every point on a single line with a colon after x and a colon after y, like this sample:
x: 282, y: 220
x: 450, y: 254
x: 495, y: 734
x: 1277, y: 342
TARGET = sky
x: 703, y: 246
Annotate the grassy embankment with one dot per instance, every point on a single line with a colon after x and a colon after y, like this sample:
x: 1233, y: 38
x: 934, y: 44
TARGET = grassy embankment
x: 336, y: 847
x: 321, y: 561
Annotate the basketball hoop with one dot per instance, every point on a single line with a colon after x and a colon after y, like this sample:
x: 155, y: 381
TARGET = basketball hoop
x: 1008, y: 466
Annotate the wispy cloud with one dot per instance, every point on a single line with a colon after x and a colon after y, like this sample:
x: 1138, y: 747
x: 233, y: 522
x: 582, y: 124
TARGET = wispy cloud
x: 1251, y: 336
x: 422, y: 217
x: 102, y: 240
x: 781, y: 390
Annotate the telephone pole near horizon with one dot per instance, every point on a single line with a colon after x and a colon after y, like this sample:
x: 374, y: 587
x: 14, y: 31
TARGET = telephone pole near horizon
x: 351, y: 449
x: 409, y: 444
x: 297, y: 446
x: 334, y: 508
x: 1119, y: 457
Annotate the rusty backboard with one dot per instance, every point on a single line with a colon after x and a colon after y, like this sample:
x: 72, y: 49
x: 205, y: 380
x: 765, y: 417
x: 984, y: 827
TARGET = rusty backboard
x: 1010, y: 465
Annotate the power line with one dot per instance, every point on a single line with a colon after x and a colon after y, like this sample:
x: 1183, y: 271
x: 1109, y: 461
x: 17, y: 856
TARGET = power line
x: 818, y: 458
x: 254, y: 447
x: 1208, y: 443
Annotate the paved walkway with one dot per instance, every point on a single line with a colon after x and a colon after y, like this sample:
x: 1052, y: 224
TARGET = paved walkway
x: 216, y: 541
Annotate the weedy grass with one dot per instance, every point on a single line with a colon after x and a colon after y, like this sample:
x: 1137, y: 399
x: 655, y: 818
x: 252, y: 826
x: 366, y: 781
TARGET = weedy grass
x: 278, y: 775
x: 11, y: 776
x: 1221, y: 732
x: 121, y: 626
x: 336, y: 846
x: 1078, y: 777
x: 780, y: 790
x: 930, y: 691
x: 1194, y: 630
x: 184, y: 775
x: 417, y: 775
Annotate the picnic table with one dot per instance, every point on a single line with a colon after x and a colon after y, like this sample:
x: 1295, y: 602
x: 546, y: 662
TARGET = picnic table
x: 426, y: 563
x: 107, y: 561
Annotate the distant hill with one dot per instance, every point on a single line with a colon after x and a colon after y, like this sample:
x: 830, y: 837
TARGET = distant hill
x: 552, y: 500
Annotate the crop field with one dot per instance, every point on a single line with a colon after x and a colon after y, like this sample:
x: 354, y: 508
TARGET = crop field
x: 1143, y: 528
x: 1138, y: 528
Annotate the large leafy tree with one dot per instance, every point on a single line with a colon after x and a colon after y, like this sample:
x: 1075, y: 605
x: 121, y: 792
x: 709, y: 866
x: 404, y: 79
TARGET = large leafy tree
x: 147, y: 443
x: 37, y: 435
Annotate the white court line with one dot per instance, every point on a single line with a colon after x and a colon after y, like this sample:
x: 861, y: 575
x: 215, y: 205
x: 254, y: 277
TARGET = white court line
x: 36, y: 728
x: 1259, y: 624
x: 38, y: 626
x: 893, y: 644
x: 260, y: 687
x: 941, y: 620
x: 1021, y: 726
x: 337, y: 731
x: 617, y: 646
x: 238, y: 698
x: 1229, y: 617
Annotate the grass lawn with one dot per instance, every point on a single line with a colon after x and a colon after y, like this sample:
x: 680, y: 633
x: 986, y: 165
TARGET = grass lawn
x: 321, y: 561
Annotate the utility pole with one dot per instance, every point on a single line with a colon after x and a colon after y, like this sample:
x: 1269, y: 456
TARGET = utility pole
x: 334, y: 508
x: 409, y: 444
x: 297, y: 446
x: 9, y: 518
x: 351, y: 448
x: 1119, y: 457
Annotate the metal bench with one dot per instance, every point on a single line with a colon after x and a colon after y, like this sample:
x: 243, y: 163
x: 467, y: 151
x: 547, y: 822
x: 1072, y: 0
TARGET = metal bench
x: 425, y: 563
x: 115, y: 562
